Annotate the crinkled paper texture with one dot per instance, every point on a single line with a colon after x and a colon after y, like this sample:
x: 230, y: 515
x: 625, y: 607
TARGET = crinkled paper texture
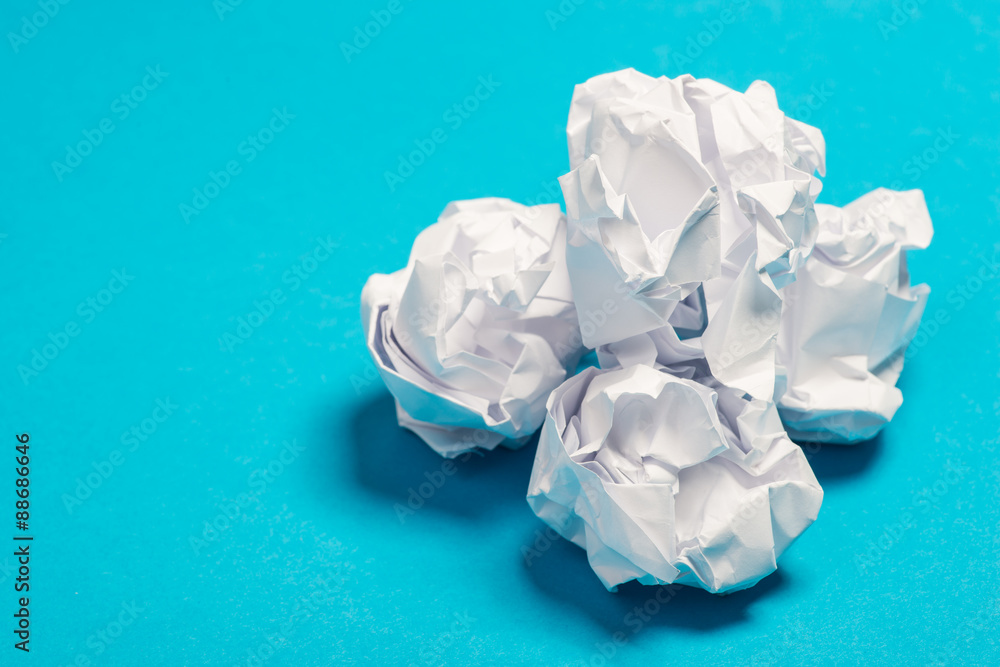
x: 690, y: 206
x: 480, y: 326
x: 722, y: 301
x: 664, y: 479
x: 849, y: 316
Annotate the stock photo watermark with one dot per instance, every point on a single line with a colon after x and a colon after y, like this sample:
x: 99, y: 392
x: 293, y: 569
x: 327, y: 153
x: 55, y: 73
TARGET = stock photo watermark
x: 305, y: 607
x: 634, y: 622
x: 453, y: 117
x: 922, y: 502
x: 31, y: 24
x: 918, y: 164
x: 294, y: 277
x: 958, y: 297
x: 819, y: 94
x: 259, y: 481
x: 248, y: 149
x: 431, y: 652
x: 777, y: 653
x: 87, y: 310
x: 561, y: 13
x: 549, y: 194
x: 984, y: 620
x: 435, y: 479
x: 104, y: 637
x: 223, y: 7
x: 370, y: 30
x: 902, y: 13
x: 121, y: 108
x: 131, y: 440
x: 681, y: 58
x: 326, y: 585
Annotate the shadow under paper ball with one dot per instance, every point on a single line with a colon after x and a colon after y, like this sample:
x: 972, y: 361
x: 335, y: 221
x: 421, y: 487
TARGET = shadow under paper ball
x: 393, y: 462
x: 832, y: 463
x: 560, y: 570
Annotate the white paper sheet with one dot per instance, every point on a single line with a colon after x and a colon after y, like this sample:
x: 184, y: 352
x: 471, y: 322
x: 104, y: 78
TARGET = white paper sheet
x: 663, y: 479
x: 480, y: 326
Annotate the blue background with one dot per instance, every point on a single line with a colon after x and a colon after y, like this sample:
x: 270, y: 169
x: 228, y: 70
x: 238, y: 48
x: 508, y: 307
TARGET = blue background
x: 901, y: 566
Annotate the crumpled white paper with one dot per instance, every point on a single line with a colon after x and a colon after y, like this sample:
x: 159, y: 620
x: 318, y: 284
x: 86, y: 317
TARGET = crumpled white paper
x: 664, y: 479
x: 480, y: 326
x: 721, y: 300
x: 849, y: 316
x: 690, y: 206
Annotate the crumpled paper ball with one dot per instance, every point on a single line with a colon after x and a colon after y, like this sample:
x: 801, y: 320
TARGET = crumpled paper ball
x: 479, y: 327
x: 690, y: 206
x: 849, y: 316
x: 664, y: 479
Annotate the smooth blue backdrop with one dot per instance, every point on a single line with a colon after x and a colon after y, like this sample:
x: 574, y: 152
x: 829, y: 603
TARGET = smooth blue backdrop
x: 448, y: 585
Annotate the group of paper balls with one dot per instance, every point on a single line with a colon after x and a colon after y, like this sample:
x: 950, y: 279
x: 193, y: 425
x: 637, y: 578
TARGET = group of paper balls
x: 730, y: 313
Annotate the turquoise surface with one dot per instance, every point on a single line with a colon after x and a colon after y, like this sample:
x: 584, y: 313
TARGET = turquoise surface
x: 194, y: 194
